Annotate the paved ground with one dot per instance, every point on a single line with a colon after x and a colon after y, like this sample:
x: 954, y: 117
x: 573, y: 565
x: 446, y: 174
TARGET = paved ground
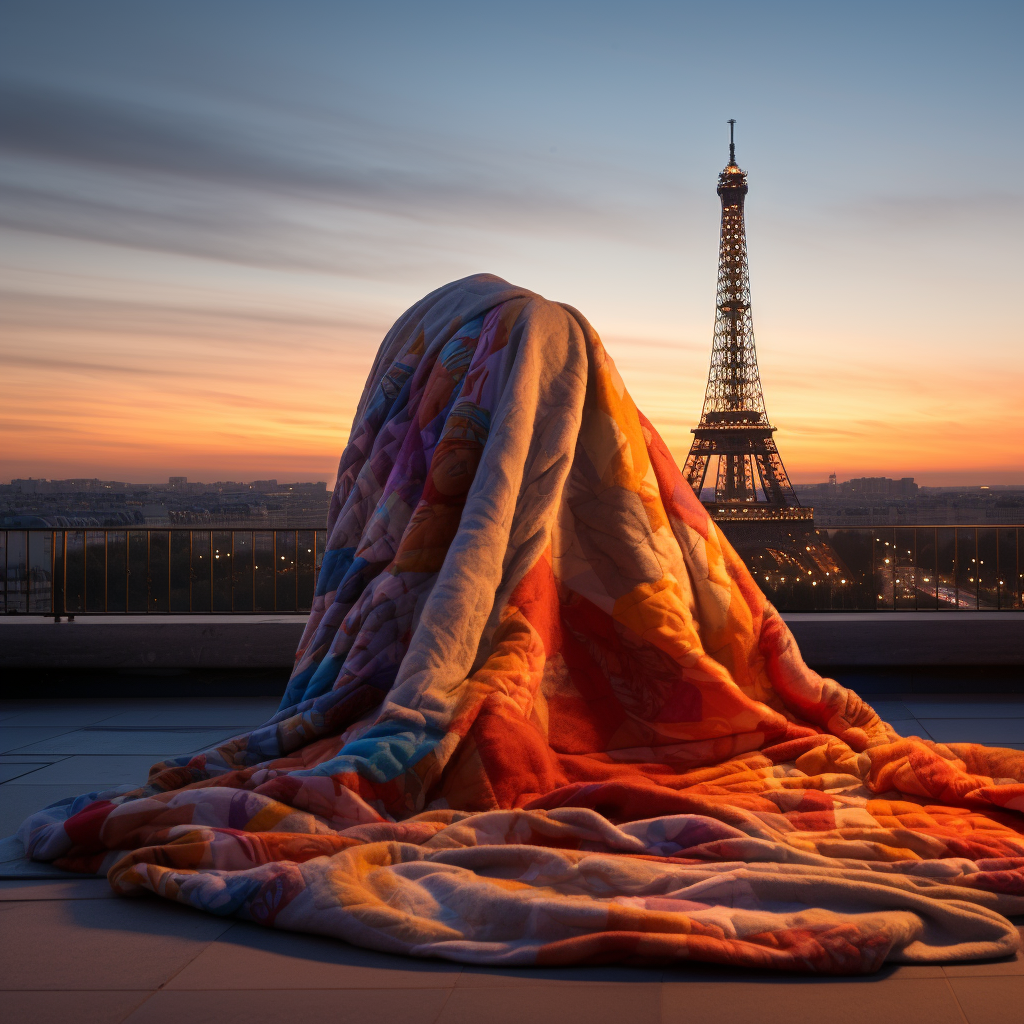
x: 72, y: 952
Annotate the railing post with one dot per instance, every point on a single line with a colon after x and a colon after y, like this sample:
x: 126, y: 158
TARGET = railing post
x: 956, y: 569
x: 53, y: 576
x: 874, y: 572
x: 977, y: 570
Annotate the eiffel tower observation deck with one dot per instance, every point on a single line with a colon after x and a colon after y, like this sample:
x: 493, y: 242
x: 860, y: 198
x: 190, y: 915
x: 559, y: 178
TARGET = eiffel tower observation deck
x: 733, y: 449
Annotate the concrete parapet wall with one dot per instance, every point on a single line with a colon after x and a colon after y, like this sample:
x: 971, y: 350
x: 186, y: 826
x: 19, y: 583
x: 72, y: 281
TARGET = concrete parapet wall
x: 151, y: 641
x: 269, y: 641
x: 909, y: 638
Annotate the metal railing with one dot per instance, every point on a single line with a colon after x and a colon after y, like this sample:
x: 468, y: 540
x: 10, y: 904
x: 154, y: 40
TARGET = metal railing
x: 189, y: 571
x: 159, y: 571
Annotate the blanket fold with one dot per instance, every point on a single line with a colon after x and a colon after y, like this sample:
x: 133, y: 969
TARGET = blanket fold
x: 542, y: 714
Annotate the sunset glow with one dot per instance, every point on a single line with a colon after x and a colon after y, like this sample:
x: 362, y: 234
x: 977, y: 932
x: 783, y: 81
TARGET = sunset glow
x: 204, y: 241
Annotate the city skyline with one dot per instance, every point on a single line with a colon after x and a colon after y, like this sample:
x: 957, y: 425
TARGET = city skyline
x: 210, y: 216
x: 266, y: 479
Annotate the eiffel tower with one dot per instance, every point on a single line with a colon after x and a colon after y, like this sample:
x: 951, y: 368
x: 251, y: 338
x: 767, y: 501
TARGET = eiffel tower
x: 734, y: 435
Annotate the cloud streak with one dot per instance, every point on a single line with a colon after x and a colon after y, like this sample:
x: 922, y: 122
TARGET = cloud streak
x: 254, y: 329
x: 200, y: 181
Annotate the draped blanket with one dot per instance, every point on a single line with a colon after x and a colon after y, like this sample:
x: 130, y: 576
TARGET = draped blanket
x: 542, y: 714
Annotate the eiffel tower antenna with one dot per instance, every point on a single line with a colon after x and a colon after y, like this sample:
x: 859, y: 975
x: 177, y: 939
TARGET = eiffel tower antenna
x: 734, y: 435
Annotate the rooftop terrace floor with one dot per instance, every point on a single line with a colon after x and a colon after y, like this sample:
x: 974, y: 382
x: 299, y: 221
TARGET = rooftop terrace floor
x: 74, y: 952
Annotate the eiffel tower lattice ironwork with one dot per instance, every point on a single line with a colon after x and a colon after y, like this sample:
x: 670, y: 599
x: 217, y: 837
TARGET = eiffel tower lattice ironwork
x: 734, y: 436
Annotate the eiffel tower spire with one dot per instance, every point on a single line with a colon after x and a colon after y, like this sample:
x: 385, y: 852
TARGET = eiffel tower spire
x: 734, y: 437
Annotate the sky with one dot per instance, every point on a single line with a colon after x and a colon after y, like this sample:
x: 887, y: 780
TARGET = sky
x: 211, y: 212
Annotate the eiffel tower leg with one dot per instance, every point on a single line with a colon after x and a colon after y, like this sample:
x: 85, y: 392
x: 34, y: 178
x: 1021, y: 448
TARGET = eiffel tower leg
x: 695, y: 470
x: 749, y: 488
x: 774, y: 476
x: 770, y: 483
x: 722, y: 479
x: 725, y: 485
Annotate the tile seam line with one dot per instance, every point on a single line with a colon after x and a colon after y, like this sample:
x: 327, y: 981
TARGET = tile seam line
x: 956, y: 999
x: 441, y: 1009
x: 333, y: 988
x: 25, y: 774
x: 149, y: 996
x: 206, y: 946
x: 54, y: 757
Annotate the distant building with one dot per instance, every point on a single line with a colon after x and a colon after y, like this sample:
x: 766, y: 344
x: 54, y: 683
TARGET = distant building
x: 880, y: 485
x: 86, y: 503
x: 31, y: 486
x: 155, y: 515
x: 73, y: 486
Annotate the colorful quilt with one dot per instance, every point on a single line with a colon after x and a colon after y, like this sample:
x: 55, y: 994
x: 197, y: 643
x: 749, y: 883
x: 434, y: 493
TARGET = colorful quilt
x: 542, y: 714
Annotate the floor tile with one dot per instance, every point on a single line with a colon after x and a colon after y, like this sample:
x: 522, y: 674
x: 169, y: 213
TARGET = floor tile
x: 108, y: 770
x: 63, y: 712
x: 70, y: 1007
x: 636, y: 1003
x: 966, y: 709
x: 12, y: 738
x: 22, y: 758
x: 246, y: 713
x: 154, y: 744
x: 787, y: 1000
x: 368, y: 1006
x: 100, y: 944
x: 907, y: 727
x: 252, y: 957
x: 990, y: 1000
x: 992, y: 731
x: 17, y: 769
x: 79, y: 889
x: 890, y: 709
x: 550, y: 977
